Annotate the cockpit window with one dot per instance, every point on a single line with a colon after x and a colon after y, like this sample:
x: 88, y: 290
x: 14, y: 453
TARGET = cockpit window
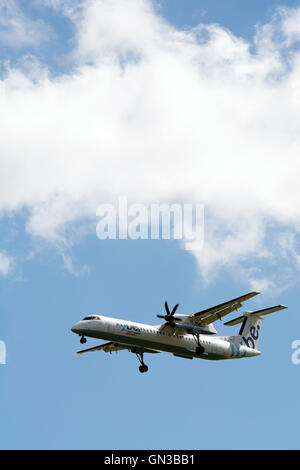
x: 92, y: 317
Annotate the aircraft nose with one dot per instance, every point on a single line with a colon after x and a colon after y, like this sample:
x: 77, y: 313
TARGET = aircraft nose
x: 75, y: 328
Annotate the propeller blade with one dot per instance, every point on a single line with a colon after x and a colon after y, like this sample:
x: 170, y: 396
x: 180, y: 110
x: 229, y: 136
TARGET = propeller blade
x: 170, y: 315
x: 174, y: 309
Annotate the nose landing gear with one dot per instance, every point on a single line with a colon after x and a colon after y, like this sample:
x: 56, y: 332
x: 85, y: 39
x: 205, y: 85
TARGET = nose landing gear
x: 82, y: 339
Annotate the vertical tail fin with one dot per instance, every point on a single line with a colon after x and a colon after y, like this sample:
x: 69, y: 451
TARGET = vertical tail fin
x: 250, y: 330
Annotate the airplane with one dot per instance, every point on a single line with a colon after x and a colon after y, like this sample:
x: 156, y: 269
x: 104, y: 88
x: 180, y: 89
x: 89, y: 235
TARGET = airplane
x: 186, y: 336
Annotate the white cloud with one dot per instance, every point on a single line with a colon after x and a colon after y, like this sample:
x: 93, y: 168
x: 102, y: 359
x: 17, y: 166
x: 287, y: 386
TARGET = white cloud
x: 159, y: 114
x: 290, y: 24
x: 6, y: 264
x: 2, y: 352
x: 17, y: 31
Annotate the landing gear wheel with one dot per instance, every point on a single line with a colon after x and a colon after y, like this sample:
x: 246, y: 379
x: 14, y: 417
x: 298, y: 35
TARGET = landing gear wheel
x: 143, y: 368
x: 82, y: 340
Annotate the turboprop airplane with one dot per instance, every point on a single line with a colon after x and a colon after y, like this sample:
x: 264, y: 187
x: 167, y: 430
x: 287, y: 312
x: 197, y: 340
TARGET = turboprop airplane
x: 185, y: 336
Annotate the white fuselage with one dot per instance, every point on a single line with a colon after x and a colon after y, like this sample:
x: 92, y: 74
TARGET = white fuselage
x: 161, y: 338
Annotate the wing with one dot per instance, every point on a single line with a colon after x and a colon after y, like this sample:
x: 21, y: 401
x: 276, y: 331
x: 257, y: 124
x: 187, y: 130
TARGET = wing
x: 110, y: 347
x: 107, y: 347
x: 205, y: 317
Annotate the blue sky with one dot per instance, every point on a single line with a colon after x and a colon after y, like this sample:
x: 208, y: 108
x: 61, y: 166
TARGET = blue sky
x: 120, y: 98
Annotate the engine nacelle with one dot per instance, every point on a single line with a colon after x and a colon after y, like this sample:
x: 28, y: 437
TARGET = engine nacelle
x: 192, y: 328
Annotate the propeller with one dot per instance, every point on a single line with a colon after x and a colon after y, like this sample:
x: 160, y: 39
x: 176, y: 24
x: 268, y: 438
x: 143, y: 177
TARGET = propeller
x: 170, y: 315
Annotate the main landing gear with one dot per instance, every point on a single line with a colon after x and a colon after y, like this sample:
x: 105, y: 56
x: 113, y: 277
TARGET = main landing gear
x: 82, y: 339
x: 140, y: 355
x: 199, y: 349
x: 143, y: 368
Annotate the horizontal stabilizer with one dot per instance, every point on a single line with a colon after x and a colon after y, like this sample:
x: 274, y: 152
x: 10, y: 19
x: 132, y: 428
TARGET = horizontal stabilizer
x: 262, y: 312
x: 268, y: 310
